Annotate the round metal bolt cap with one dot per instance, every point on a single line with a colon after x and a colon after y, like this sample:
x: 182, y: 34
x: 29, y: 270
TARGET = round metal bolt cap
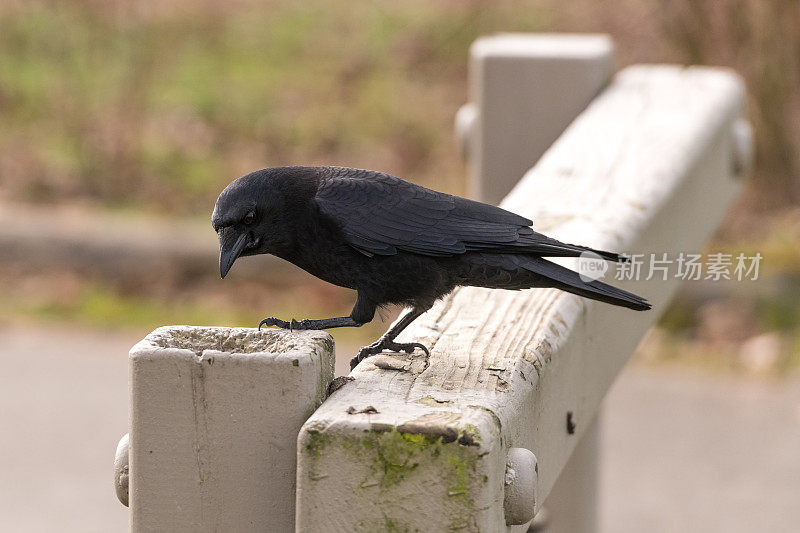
x: 121, y: 470
x: 466, y: 117
x: 520, y: 491
x: 742, y: 147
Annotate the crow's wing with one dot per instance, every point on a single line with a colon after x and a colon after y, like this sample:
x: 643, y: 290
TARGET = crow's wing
x: 380, y: 214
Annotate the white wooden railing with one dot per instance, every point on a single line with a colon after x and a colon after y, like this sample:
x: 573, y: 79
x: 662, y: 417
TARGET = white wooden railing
x: 500, y: 419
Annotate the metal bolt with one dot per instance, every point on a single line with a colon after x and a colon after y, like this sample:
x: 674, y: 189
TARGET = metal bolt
x: 465, y: 128
x: 519, y: 502
x: 742, y: 138
x: 121, y: 470
x: 540, y: 521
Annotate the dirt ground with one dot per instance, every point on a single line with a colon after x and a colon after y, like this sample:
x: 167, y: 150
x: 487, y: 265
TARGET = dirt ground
x: 680, y: 452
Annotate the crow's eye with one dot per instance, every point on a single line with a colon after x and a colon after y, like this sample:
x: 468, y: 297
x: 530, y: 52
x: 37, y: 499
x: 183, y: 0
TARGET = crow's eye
x: 249, y: 218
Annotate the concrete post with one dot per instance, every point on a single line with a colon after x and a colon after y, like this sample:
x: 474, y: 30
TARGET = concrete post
x: 215, y: 414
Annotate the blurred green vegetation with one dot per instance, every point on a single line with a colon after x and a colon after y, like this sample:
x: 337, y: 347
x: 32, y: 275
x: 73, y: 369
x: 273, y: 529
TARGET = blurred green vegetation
x: 50, y: 298
x: 156, y: 106
x: 99, y: 306
x: 159, y: 108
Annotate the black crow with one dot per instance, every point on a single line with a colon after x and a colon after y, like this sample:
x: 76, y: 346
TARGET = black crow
x: 392, y: 241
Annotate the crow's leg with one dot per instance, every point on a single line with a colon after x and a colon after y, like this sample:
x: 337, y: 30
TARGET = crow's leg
x: 362, y: 313
x: 386, y: 342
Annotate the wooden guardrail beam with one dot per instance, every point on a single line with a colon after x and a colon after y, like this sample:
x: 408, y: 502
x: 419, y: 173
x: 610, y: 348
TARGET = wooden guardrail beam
x: 417, y: 443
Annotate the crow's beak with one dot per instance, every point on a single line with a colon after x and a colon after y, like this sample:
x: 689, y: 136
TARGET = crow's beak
x: 231, y: 245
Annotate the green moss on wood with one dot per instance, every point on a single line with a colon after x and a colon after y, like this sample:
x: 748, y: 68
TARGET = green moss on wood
x: 390, y: 459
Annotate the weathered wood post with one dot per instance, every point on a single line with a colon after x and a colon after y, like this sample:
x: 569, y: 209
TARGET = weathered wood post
x: 215, y: 414
x: 526, y: 90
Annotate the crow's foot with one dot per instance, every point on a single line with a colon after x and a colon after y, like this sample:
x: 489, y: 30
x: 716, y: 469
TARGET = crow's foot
x: 283, y: 324
x: 381, y: 345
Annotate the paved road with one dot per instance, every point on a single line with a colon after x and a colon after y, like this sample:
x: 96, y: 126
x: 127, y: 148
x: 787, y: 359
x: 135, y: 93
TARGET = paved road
x: 684, y: 453
x: 680, y: 453
x: 63, y: 407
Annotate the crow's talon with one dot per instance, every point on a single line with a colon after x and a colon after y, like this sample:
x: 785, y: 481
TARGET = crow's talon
x: 418, y: 345
x: 381, y: 345
x: 272, y: 321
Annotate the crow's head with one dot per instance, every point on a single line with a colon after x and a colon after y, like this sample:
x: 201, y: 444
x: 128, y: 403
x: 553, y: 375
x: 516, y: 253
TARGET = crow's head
x: 248, y: 218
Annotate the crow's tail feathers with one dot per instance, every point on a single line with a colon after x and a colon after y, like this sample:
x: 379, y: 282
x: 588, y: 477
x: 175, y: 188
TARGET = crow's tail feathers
x: 544, y: 246
x: 608, y: 256
x: 569, y: 281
